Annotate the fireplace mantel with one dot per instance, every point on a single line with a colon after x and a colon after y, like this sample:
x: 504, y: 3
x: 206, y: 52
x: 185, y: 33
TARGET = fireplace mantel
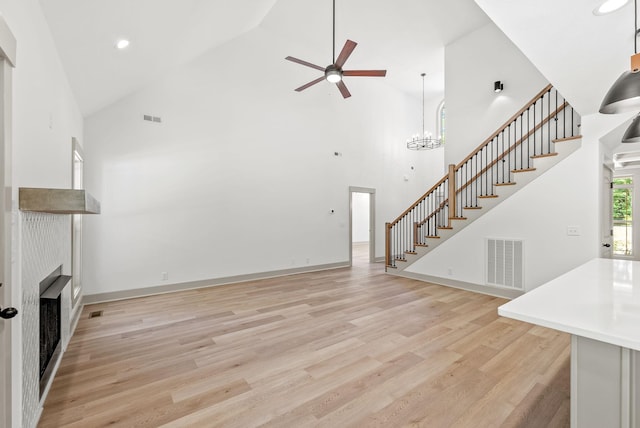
x: 58, y: 201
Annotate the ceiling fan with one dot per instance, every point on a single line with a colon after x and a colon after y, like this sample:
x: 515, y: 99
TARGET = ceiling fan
x: 333, y: 72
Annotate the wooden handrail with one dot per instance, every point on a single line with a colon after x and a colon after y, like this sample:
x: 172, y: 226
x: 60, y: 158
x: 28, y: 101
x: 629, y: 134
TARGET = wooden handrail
x: 434, y: 212
x: 423, y: 197
x: 513, y: 147
x: 480, y: 147
x: 506, y: 124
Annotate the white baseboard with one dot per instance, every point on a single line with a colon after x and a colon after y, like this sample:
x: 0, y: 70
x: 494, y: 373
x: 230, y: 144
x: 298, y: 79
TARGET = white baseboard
x: 469, y: 286
x: 171, y: 288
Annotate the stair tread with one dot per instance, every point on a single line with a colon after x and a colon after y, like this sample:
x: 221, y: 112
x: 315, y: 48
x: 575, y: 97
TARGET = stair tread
x: 546, y: 155
x: 392, y: 267
x: 457, y: 218
x: 433, y: 237
x: 561, y: 140
x: 512, y: 183
x: 410, y: 252
x: 445, y: 227
x: 421, y: 245
x: 488, y: 196
x: 523, y: 170
x: 471, y: 208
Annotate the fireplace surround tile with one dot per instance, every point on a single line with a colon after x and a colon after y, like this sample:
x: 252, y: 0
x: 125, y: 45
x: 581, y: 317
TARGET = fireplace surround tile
x: 46, y: 244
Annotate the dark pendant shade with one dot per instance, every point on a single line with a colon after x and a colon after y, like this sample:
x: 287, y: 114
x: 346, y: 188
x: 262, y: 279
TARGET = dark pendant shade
x: 624, y: 95
x: 632, y: 134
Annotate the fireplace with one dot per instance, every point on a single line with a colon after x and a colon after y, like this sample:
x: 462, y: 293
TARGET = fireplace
x: 50, y: 323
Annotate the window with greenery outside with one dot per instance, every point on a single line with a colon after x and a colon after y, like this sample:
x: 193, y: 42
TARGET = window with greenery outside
x: 622, y: 216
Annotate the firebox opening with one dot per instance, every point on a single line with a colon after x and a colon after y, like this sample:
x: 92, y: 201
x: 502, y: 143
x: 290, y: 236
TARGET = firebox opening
x: 50, y: 323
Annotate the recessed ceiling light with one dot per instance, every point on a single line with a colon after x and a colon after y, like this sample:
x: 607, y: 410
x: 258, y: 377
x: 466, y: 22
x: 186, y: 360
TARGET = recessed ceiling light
x: 122, y: 44
x: 609, y: 6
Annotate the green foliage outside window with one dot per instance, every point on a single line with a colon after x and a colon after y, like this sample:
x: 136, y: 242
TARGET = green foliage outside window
x: 622, y: 207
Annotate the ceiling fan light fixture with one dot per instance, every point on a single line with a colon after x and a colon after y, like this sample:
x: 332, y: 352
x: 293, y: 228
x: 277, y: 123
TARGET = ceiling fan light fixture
x: 333, y: 75
x: 334, y: 72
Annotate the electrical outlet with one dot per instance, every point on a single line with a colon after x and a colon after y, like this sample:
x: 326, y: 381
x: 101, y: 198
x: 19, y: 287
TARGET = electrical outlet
x: 165, y: 276
x: 573, y: 230
x: 450, y: 272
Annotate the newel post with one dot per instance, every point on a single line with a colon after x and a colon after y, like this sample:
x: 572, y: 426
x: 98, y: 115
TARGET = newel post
x: 387, y: 245
x: 452, y: 193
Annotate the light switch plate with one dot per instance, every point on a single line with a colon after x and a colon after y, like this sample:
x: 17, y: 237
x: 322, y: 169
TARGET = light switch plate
x: 573, y: 230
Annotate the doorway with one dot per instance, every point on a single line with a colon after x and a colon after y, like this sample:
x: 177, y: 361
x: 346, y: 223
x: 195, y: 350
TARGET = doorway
x: 361, y: 225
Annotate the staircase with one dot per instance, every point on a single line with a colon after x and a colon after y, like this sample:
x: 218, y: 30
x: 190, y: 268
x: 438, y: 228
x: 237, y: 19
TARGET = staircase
x: 537, y: 137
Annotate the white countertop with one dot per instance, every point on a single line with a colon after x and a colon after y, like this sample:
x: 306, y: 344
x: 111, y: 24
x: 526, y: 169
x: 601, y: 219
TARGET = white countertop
x: 599, y: 300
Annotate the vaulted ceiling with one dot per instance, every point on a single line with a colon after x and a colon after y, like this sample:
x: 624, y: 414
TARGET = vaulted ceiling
x: 407, y: 37
x: 580, y: 53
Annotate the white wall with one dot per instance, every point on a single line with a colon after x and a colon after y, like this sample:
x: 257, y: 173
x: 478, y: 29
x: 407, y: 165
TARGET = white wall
x: 360, y: 217
x: 45, y: 118
x: 45, y: 113
x: 472, y: 64
x: 241, y: 176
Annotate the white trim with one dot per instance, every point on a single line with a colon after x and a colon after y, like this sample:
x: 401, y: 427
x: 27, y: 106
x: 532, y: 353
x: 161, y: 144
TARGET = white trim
x: 573, y: 395
x: 10, y: 361
x: 505, y: 293
x: 172, y: 288
x: 8, y: 43
x: 439, y: 119
x: 372, y: 221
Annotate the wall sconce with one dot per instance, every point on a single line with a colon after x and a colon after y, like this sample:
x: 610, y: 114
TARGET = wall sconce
x: 498, y: 86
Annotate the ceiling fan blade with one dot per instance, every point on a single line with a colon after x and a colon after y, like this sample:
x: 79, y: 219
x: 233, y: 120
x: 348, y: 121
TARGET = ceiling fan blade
x: 349, y: 46
x: 343, y: 89
x: 308, y: 64
x: 313, y: 82
x: 365, y: 73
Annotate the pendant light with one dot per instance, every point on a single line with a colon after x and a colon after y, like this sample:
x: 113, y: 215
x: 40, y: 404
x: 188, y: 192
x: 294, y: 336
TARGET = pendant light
x: 624, y: 95
x: 632, y: 134
x: 423, y: 141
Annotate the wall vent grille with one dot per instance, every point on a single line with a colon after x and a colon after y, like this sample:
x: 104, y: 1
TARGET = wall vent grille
x: 505, y: 263
x: 150, y: 118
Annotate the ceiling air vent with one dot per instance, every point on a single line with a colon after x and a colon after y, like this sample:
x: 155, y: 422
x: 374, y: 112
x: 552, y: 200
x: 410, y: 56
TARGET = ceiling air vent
x: 150, y: 118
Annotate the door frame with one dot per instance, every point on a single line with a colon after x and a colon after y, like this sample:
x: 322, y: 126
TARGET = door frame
x: 372, y: 221
x: 9, y: 291
x: 606, y: 204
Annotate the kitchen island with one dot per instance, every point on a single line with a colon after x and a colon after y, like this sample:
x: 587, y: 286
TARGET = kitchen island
x: 598, y: 303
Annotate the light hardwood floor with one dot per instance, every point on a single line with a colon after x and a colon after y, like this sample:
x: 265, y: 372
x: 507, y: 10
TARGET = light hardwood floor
x: 347, y: 347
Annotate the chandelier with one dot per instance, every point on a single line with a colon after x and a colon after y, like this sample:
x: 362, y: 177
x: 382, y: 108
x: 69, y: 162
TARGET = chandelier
x: 424, y: 141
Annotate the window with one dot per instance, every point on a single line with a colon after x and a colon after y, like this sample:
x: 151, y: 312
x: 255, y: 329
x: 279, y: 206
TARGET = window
x: 622, y: 216
x: 440, y: 119
x: 76, y: 224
